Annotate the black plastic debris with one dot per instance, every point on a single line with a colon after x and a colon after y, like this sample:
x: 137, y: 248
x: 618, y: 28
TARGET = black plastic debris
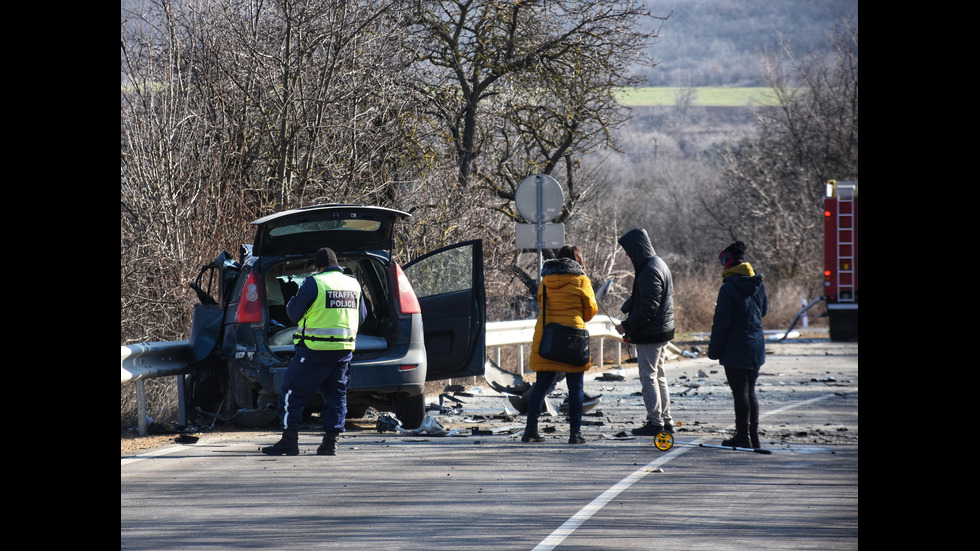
x: 476, y: 431
x: 504, y: 382
x: 621, y: 435
x: 588, y: 404
x: 387, y: 422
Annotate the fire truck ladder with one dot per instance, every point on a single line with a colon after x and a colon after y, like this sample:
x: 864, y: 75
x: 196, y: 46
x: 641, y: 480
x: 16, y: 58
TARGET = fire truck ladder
x: 846, y: 192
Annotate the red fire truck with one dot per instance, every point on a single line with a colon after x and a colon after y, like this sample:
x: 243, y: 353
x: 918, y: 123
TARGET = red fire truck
x: 840, y: 275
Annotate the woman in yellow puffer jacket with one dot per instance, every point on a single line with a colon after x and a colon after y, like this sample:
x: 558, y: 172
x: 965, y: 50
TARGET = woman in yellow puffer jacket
x: 571, y: 301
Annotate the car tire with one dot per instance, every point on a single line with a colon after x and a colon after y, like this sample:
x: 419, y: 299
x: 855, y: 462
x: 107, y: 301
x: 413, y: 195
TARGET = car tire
x: 410, y: 410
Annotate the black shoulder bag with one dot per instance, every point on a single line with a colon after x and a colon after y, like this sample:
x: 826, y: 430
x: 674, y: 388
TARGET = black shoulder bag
x: 562, y: 343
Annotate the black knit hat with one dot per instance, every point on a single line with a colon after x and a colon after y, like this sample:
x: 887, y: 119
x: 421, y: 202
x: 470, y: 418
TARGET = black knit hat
x: 733, y: 254
x: 738, y: 250
x: 325, y: 257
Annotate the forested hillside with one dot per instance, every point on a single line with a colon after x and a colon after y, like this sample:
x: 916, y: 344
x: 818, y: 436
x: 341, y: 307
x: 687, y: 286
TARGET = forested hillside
x: 721, y: 42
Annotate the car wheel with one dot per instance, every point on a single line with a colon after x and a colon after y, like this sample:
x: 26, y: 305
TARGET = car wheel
x: 410, y: 411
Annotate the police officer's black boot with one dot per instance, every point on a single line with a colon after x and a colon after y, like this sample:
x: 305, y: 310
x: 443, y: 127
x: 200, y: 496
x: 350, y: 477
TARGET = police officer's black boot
x: 329, y: 445
x: 288, y: 445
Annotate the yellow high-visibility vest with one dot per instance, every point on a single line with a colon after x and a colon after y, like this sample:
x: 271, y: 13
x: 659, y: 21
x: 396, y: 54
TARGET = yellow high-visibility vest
x: 331, y: 321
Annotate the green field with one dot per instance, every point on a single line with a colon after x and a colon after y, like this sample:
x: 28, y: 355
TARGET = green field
x: 703, y: 96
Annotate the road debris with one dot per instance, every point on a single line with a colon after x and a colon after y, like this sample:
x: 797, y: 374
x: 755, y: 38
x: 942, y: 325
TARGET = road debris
x: 429, y: 427
x: 518, y: 390
x: 510, y: 429
x: 621, y: 435
x: 504, y: 381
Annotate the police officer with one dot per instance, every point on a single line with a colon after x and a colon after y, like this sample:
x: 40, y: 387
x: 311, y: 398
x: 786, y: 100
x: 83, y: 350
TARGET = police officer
x: 328, y: 309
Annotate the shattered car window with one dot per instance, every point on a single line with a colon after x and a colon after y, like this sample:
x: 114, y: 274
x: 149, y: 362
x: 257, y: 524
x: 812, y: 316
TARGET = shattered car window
x: 449, y: 272
x: 353, y: 224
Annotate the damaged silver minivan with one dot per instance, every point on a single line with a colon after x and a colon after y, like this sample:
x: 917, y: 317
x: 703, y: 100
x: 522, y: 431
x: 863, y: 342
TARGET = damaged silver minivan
x: 426, y: 321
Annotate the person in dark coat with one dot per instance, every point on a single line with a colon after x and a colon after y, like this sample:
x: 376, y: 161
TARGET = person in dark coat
x: 738, y: 341
x: 649, y: 325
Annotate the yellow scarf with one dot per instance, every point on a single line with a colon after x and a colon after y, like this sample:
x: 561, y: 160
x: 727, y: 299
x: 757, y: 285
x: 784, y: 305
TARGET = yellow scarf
x: 742, y: 269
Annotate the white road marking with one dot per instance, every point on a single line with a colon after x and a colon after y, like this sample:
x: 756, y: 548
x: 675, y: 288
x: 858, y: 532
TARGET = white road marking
x: 555, y: 538
x: 153, y: 453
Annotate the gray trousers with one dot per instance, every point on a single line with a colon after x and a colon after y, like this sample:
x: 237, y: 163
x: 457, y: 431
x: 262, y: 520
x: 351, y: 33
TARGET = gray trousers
x: 656, y: 395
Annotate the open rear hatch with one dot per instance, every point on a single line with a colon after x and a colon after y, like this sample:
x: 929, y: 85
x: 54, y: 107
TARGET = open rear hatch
x: 343, y: 228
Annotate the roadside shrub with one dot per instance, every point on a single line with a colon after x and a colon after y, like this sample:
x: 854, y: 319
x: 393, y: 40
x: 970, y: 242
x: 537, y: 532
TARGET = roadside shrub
x: 694, y: 300
x: 161, y: 402
x: 695, y: 293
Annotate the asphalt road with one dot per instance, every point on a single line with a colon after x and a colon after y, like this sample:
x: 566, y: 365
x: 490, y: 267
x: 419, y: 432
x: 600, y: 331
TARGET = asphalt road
x: 492, y: 492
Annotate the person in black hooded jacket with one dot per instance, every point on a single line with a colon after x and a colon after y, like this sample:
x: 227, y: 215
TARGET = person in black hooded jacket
x: 649, y: 325
x: 738, y: 341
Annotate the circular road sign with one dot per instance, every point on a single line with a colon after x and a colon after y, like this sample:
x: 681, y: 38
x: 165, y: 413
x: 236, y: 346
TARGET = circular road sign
x: 552, y: 198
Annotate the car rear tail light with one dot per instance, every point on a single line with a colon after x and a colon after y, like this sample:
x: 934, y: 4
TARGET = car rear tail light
x: 408, y: 303
x: 250, y: 303
x: 407, y: 367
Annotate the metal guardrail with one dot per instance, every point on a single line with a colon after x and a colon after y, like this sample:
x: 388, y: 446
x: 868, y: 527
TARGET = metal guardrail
x: 162, y: 359
x: 521, y: 332
x: 151, y: 360
x: 154, y: 359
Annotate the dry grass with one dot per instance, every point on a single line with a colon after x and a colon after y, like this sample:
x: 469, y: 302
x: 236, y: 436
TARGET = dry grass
x: 695, y: 296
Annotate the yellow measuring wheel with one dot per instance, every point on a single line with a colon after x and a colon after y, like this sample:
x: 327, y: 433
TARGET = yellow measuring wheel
x: 663, y: 440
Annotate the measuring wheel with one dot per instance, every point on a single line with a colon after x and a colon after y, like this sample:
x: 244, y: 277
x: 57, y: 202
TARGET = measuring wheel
x: 663, y: 440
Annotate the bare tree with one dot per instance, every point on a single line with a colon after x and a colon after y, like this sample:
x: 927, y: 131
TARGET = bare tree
x: 475, y: 50
x: 231, y: 110
x: 520, y: 88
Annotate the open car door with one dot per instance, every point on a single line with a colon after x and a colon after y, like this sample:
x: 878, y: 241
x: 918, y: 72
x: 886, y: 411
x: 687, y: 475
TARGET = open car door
x: 450, y: 287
